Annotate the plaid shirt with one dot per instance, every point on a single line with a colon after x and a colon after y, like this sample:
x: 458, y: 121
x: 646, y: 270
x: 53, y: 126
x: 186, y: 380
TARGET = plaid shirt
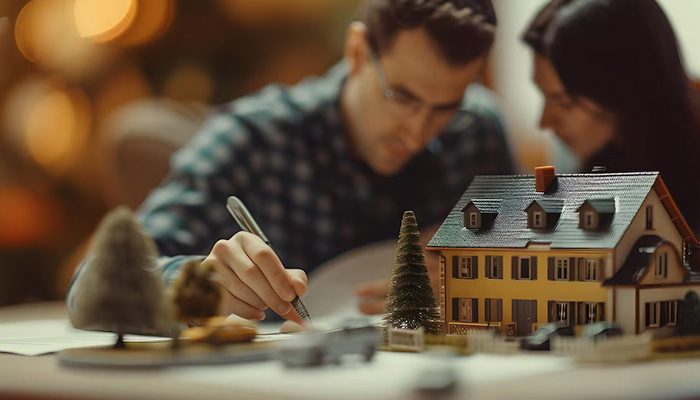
x: 284, y: 152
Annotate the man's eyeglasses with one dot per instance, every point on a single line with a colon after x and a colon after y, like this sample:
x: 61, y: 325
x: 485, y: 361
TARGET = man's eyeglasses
x: 402, y: 102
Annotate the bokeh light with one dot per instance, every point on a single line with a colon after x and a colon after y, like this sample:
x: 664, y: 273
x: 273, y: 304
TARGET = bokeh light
x: 45, y: 33
x: 103, y: 20
x: 56, y: 129
x: 27, y: 217
x: 152, y: 19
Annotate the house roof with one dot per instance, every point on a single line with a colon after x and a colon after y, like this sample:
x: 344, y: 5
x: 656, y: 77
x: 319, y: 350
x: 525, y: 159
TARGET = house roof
x: 550, y: 206
x: 485, y: 206
x: 603, y: 206
x: 510, y: 229
x: 637, y: 262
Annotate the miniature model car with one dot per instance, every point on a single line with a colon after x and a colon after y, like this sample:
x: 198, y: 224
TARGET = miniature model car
x: 602, y: 329
x: 318, y: 348
x: 540, y: 339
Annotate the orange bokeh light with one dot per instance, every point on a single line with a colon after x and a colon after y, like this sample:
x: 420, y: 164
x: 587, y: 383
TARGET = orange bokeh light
x: 103, y: 20
x: 56, y: 129
x: 152, y: 19
x: 27, y: 218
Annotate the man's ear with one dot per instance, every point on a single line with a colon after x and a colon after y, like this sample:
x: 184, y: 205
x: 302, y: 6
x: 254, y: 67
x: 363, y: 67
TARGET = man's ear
x: 355, y: 52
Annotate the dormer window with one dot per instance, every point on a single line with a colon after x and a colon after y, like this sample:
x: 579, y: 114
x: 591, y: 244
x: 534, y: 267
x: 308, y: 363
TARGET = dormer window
x: 480, y: 213
x: 473, y: 218
x: 596, y: 213
x: 544, y: 213
x: 537, y: 219
x: 590, y: 220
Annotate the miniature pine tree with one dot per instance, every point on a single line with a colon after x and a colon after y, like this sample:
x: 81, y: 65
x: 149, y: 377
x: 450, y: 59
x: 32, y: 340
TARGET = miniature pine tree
x: 117, y: 290
x: 688, y: 315
x: 410, y: 302
x: 196, y: 295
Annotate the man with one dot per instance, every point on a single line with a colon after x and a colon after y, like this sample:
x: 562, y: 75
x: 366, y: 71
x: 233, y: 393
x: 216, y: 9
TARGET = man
x: 332, y: 163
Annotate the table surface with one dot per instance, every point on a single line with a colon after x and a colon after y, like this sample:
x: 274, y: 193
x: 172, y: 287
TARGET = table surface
x: 389, y: 376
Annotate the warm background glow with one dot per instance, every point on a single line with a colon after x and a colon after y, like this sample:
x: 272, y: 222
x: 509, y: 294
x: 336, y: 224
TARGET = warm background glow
x: 77, y: 76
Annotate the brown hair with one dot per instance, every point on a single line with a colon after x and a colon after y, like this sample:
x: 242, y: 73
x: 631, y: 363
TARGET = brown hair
x: 462, y: 29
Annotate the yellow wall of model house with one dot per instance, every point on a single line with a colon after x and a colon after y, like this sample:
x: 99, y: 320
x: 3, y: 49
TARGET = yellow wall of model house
x: 508, y: 289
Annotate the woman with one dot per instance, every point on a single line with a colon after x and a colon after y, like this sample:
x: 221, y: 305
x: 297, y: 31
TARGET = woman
x: 616, y: 91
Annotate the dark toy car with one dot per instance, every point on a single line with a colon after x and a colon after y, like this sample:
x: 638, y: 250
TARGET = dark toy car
x: 540, y: 339
x: 602, y: 329
x: 318, y: 348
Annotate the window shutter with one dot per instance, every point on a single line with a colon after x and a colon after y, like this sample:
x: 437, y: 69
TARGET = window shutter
x: 646, y: 314
x: 499, y: 270
x: 573, y: 271
x: 455, y: 266
x: 601, y: 311
x: 581, y: 269
x: 514, y: 311
x: 475, y: 310
x: 499, y: 309
x: 550, y: 268
x: 475, y: 266
x: 664, y: 313
x: 487, y: 267
x: 487, y: 310
x: 455, y: 309
x: 582, y: 313
x: 514, y: 268
x: 533, y: 310
x: 572, y: 313
x: 599, y: 269
x: 533, y: 267
x: 551, y: 306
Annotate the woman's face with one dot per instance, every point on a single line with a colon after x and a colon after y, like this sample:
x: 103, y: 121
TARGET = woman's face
x: 584, y: 126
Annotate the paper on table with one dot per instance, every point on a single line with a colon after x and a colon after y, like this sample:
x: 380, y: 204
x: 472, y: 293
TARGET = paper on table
x: 33, y: 338
x: 330, y: 297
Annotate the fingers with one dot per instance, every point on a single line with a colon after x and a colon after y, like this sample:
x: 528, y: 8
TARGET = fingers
x: 233, y: 255
x: 372, y: 306
x: 372, y: 296
x: 299, y: 281
x: 373, y: 289
x: 268, y: 263
x: 230, y: 304
x: 234, y: 285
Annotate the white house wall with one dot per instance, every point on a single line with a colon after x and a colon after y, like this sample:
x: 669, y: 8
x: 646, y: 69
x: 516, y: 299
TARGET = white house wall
x: 663, y: 227
x: 653, y: 295
x: 624, y: 308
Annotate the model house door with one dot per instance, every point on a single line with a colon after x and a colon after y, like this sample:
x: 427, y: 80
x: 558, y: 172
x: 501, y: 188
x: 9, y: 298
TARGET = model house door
x: 524, y: 315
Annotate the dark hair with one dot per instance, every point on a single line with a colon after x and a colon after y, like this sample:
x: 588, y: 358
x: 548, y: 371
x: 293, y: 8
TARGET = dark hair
x: 623, y: 55
x: 462, y: 29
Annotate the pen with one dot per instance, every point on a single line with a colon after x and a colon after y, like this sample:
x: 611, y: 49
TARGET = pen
x: 245, y: 220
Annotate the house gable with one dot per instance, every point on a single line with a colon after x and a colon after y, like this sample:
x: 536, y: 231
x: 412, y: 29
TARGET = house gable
x: 665, y: 266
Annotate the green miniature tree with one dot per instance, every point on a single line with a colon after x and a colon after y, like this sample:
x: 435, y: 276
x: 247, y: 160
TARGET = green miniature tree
x: 410, y: 302
x: 196, y: 295
x: 688, y: 315
x: 117, y: 290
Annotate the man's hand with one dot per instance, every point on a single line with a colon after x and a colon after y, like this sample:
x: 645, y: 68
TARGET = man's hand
x: 255, y: 278
x: 372, y: 296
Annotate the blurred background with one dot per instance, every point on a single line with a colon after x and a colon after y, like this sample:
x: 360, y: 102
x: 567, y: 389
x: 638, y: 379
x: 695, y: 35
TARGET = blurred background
x: 95, y: 95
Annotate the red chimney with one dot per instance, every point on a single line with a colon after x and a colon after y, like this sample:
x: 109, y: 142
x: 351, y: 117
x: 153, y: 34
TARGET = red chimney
x: 544, y: 176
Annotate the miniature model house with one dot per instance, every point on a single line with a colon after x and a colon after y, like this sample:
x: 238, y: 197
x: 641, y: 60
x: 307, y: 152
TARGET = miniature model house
x: 517, y: 251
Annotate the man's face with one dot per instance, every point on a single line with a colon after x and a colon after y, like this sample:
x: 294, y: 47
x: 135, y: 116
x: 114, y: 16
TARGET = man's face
x: 580, y: 123
x: 398, y: 115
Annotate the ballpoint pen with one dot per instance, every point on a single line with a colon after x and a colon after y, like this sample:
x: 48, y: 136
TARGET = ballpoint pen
x: 245, y: 220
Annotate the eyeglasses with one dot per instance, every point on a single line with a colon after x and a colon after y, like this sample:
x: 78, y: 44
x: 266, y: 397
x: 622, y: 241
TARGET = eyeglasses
x: 401, y: 103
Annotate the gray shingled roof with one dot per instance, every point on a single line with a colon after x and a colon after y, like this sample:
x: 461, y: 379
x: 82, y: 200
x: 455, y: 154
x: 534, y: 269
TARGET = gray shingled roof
x: 603, y: 206
x: 517, y: 192
x: 550, y: 206
x: 637, y: 261
x: 485, y: 206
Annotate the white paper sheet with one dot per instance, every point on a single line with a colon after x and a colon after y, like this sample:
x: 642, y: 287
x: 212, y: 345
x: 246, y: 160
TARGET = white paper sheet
x: 33, y: 338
